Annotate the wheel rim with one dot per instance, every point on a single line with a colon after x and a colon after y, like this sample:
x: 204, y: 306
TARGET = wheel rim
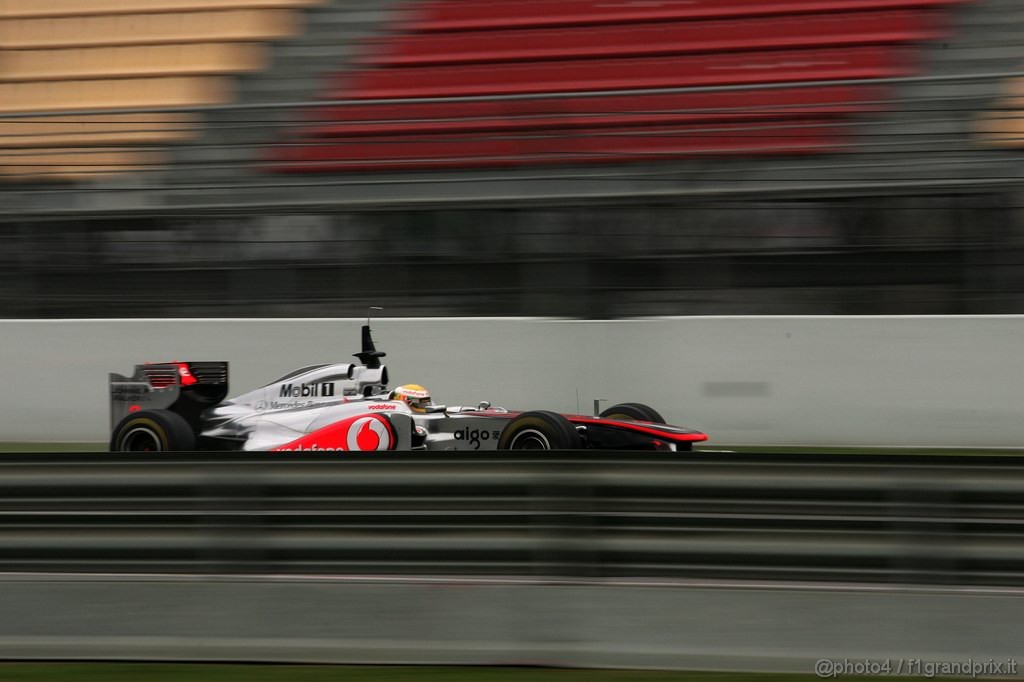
x: 529, y: 439
x: 141, y: 439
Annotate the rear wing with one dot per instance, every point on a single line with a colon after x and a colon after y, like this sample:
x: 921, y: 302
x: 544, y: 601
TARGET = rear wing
x: 187, y: 388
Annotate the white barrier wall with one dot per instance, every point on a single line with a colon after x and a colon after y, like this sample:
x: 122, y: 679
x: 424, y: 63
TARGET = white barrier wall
x: 782, y: 628
x: 942, y: 381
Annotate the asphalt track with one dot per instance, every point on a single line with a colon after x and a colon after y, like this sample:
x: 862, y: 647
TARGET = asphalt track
x: 681, y: 627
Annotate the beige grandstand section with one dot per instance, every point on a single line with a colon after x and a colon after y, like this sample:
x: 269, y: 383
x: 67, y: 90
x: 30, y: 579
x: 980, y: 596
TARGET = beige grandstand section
x: 1003, y: 125
x: 73, y: 71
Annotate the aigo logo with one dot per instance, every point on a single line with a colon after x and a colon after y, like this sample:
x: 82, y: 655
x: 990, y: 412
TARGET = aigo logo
x: 367, y: 432
x: 476, y: 436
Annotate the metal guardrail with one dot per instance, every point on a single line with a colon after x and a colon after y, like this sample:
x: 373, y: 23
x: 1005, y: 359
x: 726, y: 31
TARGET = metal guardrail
x: 905, y: 519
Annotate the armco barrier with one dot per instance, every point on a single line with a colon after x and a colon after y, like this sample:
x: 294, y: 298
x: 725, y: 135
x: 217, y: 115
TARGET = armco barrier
x: 931, y: 381
x: 717, y: 562
x: 909, y: 519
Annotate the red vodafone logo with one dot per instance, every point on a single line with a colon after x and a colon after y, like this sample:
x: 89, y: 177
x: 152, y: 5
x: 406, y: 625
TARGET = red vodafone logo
x: 368, y: 433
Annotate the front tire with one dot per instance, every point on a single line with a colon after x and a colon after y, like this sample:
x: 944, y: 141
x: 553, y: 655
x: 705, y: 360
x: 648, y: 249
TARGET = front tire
x: 633, y: 412
x: 153, y: 431
x: 540, y: 430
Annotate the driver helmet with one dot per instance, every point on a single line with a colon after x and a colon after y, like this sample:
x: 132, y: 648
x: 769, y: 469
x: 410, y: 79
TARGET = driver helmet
x: 416, y: 396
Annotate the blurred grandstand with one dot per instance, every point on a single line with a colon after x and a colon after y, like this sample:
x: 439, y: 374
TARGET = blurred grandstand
x: 539, y: 157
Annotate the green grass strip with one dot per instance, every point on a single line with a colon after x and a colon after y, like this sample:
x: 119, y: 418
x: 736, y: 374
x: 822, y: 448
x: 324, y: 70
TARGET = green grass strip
x: 166, y: 672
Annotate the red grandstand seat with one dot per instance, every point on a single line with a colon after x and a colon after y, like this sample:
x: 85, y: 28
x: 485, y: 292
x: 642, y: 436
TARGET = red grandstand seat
x: 609, y: 145
x: 460, y: 15
x: 664, y: 38
x: 594, y: 112
x: 781, y: 66
x: 614, y: 60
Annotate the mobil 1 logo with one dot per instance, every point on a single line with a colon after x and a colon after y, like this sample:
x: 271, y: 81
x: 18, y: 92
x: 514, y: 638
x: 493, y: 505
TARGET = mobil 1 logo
x: 315, y: 390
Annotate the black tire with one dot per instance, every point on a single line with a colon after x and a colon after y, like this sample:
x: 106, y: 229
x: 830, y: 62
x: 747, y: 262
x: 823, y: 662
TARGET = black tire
x: 633, y: 412
x: 540, y: 430
x: 153, y: 431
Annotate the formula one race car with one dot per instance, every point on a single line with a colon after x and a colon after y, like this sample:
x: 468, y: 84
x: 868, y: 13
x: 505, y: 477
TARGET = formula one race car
x: 344, y: 407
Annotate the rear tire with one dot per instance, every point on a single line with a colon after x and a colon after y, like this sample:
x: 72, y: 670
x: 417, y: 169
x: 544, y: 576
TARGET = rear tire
x: 540, y: 430
x: 637, y: 412
x: 153, y: 431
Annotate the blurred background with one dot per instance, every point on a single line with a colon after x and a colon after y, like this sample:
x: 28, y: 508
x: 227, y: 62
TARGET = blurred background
x: 577, y: 162
x: 552, y: 157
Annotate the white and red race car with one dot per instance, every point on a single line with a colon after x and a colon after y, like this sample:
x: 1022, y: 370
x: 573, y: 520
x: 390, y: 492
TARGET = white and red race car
x: 181, y: 406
